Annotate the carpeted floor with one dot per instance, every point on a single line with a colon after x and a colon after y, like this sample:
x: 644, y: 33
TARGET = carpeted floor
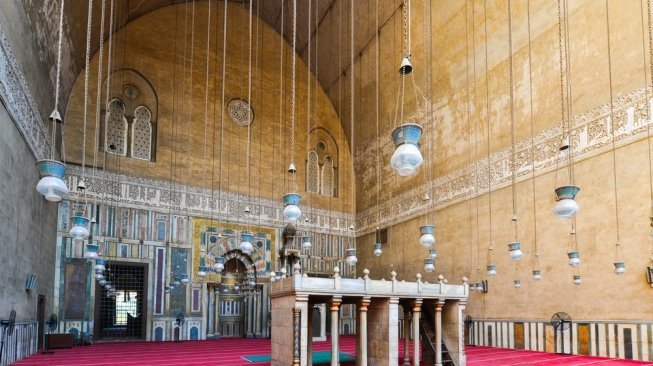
x: 488, y: 356
x: 231, y: 352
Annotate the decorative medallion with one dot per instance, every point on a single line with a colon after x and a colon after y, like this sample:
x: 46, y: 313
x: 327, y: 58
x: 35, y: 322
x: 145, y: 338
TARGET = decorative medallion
x: 240, y: 112
x: 130, y: 91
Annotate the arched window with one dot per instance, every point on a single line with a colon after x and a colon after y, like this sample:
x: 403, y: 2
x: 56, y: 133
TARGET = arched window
x: 312, y: 173
x: 116, y: 128
x: 142, y: 134
x: 327, y: 176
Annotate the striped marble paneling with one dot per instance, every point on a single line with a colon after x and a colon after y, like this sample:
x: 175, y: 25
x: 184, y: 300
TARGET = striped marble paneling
x: 616, y: 339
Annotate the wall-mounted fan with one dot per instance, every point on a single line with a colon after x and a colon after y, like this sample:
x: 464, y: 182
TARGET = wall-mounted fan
x: 561, y: 321
x: 52, y: 324
x: 7, y: 328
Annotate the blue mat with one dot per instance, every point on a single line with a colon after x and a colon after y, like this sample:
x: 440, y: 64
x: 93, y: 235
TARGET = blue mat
x: 319, y: 357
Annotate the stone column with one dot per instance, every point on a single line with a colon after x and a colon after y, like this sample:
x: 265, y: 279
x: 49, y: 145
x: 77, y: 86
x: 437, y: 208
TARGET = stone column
x: 361, y: 354
x: 462, y: 357
x: 335, y: 336
x: 417, y: 305
x: 254, y: 313
x: 216, y: 319
x: 438, y: 332
x: 309, y: 334
x: 406, y: 336
x: 296, y: 312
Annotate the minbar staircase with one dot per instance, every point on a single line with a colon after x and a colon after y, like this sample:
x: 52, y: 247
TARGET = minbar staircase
x: 427, y: 332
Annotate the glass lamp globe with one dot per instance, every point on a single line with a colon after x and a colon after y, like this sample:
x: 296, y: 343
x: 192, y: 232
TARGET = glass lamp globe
x: 51, y: 184
x: 291, y: 212
x: 492, y: 270
x: 201, y: 272
x: 619, y: 268
x: 246, y: 242
x: 107, y: 286
x: 566, y: 206
x: 426, y: 239
x: 99, y: 276
x: 306, y: 243
x: 184, y: 279
x: 90, y: 255
x: 433, y: 253
x: 517, y: 284
x: 218, y: 266
x: 428, y: 265
x: 377, y: 250
x: 574, y: 259
x: 102, y: 282
x: 99, y: 265
x: 351, y: 256
x: 236, y: 287
x: 79, y: 231
x: 406, y: 157
x: 515, y: 251
x: 537, y: 275
x: 577, y: 280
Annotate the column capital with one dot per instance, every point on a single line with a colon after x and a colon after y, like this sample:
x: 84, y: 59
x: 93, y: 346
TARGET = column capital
x: 364, y: 303
x: 439, y: 305
x: 417, y: 305
x: 335, y: 303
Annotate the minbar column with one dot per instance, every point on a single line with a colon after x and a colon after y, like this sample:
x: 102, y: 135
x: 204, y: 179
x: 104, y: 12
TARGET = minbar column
x: 335, y: 337
x: 417, y: 305
x: 361, y: 359
x: 438, y: 332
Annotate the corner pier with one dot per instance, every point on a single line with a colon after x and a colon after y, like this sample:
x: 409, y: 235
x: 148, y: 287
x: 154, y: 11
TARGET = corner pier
x: 378, y: 303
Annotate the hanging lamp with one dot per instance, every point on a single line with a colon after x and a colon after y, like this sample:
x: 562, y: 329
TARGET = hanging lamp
x: 428, y: 265
x: 406, y: 157
x: 426, y: 239
x: 619, y: 265
x: 246, y: 246
x: 52, y: 172
x: 291, y: 201
x: 491, y: 267
x: 377, y: 243
x: 565, y: 194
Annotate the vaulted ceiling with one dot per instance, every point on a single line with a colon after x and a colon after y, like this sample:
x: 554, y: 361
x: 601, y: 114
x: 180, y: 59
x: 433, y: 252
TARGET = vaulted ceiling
x: 329, y: 29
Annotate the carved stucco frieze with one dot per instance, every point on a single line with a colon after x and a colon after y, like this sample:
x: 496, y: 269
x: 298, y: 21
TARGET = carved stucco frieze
x: 20, y: 103
x: 146, y: 193
x: 591, y: 134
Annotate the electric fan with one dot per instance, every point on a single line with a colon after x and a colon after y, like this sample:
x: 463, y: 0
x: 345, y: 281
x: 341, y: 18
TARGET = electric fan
x: 52, y: 324
x: 561, y: 321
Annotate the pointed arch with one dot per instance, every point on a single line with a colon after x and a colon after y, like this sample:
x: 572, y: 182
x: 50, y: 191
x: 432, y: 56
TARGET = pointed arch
x: 115, y: 138
x: 312, y: 172
x: 328, y: 176
x: 141, y: 144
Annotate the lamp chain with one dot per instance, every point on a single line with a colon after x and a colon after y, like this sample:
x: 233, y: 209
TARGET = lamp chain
x: 206, y: 82
x: 512, y: 123
x: 86, y: 76
x: 487, y: 112
x: 96, y: 139
x: 530, y: 89
x: 612, y: 130
x: 57, y: 82
x: 292, y: 98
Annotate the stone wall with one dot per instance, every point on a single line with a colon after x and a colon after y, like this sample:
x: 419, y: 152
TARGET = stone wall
x: 27, y: 228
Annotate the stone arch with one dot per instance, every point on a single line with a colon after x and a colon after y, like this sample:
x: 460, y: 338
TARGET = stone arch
x: 312, y: 172
x: 115, y: 135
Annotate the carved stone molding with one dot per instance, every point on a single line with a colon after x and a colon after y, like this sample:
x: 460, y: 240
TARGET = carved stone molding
x: 18, y: 99
x: 591, y: 135
x: 152, y: 194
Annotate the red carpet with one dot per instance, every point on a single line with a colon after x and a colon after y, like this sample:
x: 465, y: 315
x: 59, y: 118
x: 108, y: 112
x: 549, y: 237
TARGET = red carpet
x: 229, y: 351
x: 488, y: 356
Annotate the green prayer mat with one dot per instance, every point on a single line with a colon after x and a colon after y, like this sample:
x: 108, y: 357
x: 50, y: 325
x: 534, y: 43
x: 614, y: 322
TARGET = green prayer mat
x: 319, y: 357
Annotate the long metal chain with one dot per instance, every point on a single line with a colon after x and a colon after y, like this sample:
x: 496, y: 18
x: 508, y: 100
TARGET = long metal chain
x: 57, y: 83
x: 512, y: 122
x: 405, y: 27
x: 351, y: 102
x: 86, y: 76
x: 378, y: 141
x: 308, y: 81
x: 249, y: 100
x: 648, y: 123
x: 530, y: 89
x: 613, y: 134
x: 292, y: 98
x: 487, y: 112
x: 206, y: 82
x: 96, y: 139
x: 222, y: 105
